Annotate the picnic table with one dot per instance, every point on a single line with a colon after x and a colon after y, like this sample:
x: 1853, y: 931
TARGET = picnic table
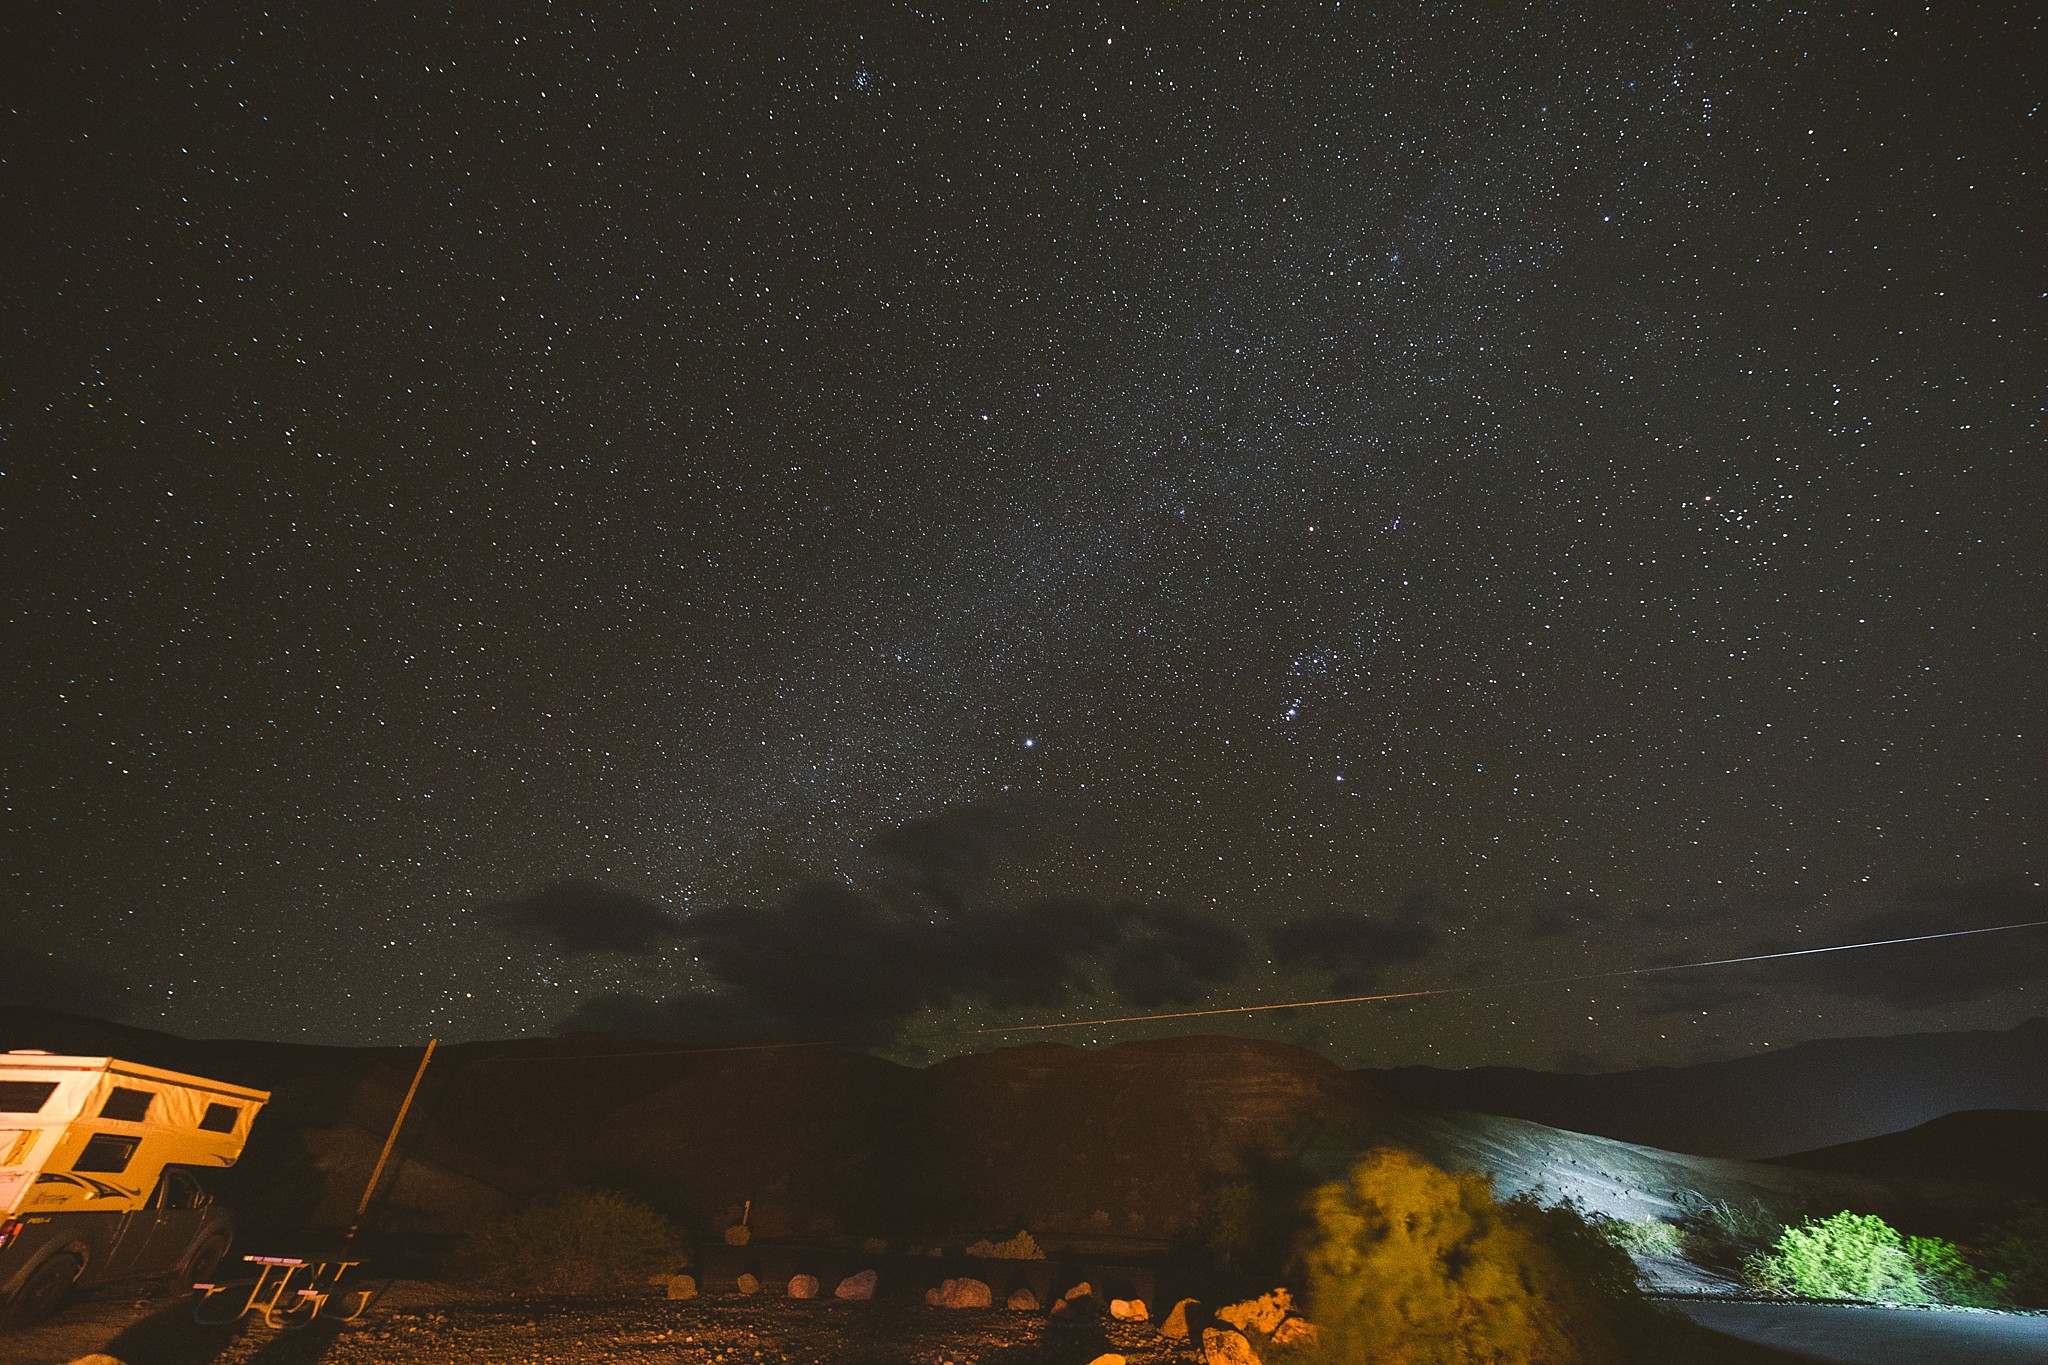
x: 288, y: 1291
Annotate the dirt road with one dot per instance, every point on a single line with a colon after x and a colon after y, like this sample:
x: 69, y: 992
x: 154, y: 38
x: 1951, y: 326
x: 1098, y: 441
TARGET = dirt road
x: 1880, y: 1336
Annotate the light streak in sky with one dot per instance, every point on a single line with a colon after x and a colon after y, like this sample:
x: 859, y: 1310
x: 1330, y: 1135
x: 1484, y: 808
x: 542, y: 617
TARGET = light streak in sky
x: 1508, y: 985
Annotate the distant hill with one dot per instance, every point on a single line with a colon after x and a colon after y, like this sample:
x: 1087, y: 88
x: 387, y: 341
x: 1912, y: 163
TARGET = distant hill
x: 1810, y: 1095
x: 1999, y: 1147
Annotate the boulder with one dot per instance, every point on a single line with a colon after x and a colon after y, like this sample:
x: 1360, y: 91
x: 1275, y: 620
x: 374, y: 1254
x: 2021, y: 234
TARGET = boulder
x: 965, y: 1293
x: 681, y: 1286
x: 1128, y: 1310
x: 1108, y: 1358
x: 748, y: 1284
x: 1023, y: 1301
x: 1083, y: 1290
x: 1299, y: 1333
x: 860, y: 1287
x: 803, y: 1286
x: 1221, y: 1346
x: 1260, y: 1315
x: 1176, y: 1324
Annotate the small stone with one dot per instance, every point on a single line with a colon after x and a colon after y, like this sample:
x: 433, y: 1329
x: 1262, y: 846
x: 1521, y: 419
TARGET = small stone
x: 803, y: 1286
x: 737, y: 1235
x: 1023, y: 1301
x: 931, y: 1296
x: 859, y: 1287
x: 1176, y: 1324
x: 1298, y: 1332
x: 965, y: 1293
x: 682, y: 1286
x: 1128, y: 1310
x: 97, y: 1358
x: 1221, y: 1347
x: 1083, y: 1290
x: 1262, y: 1314
x: 749, y: 1284
x: 875, y: 1246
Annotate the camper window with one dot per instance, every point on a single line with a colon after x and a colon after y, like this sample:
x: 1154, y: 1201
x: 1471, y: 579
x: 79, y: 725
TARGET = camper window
x: 106, y: 1153
x: 25, y: 1097
x: 129, y: 1106
x: 220, y: 1118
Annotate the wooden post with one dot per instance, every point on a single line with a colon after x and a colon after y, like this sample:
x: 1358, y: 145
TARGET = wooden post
x: 390, y: 1141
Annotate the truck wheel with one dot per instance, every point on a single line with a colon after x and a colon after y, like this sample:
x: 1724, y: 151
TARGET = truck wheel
x: 43, y: 1293
x: 204, y: 1260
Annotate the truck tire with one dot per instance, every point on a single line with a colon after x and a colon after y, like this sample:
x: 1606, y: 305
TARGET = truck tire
x: 204, y: 1260
x: 42, y: 1293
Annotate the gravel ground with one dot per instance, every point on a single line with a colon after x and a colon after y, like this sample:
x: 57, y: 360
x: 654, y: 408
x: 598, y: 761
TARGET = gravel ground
x: 421, y: 1324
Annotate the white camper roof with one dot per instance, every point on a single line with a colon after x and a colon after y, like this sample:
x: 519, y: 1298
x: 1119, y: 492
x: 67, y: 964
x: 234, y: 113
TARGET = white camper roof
x: 98, y: 1131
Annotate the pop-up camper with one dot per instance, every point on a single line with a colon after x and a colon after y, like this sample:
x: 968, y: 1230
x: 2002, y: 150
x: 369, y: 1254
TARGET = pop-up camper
x: 96, y: 1162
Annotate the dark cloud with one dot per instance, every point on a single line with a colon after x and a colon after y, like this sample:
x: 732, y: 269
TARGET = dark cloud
x: 1168, y: 955
x: 947, y: 856
x: 1354, y: 945
x: 587, y: 917
x: 831, y: 962
x: 1945, y: 971
x: 858, y: 964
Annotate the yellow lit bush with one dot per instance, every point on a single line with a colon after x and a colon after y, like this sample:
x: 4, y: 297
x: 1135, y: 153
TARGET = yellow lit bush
x: 1408, y: 1264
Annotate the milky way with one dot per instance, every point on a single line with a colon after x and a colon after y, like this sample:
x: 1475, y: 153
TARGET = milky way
x: 1575, y: 471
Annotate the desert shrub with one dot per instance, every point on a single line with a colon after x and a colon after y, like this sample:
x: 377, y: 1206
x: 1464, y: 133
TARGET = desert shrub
x: 1022, y: 1247
x: 2017, y: 1250
x: 1643, y: 1236
x: 572, y: 1242
x: 1406, y: 1262
x: 1229, y: 1224
x: 1947, y: 1276
x: 1848, y: 1256
x: 1736, y: 1226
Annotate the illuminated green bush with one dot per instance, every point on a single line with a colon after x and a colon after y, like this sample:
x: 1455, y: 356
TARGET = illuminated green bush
x: 1948, y: 1277
x: 1860, y: 1256
x: 1848, y: 1256
x: 572, y: 1242
x: 1410, y: 1263
x: 1644, y: 1236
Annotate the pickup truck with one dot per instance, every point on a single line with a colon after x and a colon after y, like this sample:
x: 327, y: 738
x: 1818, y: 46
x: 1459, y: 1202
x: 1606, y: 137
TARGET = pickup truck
x: 99, y: 1162
x: 179, y: 1234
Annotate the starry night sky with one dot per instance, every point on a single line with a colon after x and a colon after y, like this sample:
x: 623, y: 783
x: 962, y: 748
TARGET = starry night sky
x: 518, y: 515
